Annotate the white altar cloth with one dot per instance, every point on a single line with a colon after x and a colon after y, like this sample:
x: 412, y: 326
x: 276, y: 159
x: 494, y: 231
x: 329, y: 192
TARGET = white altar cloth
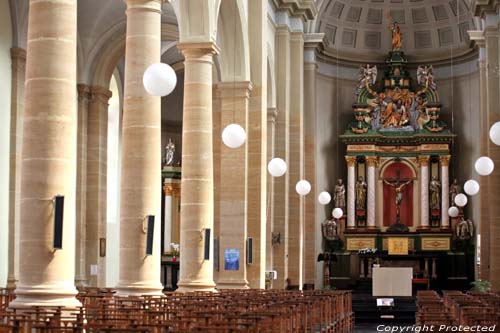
x: 392, y: 281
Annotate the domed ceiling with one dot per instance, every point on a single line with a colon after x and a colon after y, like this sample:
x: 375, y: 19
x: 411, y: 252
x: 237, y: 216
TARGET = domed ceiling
x: 357, y: 30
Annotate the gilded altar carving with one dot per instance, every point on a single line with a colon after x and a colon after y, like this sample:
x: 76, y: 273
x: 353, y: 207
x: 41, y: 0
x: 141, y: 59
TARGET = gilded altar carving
x: 385, y: 244
x: 351, y: 161
x: 358, y: 243
x: 435, y: 244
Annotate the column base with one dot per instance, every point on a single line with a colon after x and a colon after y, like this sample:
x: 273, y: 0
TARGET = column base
x: 12, y: 283
x: 185, y: 287
x: 29, y: 296
x: 138, y: 289
x: 236, y: 284
x: 423, y: 227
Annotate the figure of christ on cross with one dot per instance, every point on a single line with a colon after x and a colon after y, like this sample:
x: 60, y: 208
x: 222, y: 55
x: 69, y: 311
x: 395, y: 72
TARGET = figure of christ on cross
x: 398, y: 183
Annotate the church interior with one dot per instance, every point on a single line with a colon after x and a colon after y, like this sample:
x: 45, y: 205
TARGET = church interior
x: 249, y: 165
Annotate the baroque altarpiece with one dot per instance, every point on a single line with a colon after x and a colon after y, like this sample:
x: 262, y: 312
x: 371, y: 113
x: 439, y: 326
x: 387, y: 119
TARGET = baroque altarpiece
x: 397, y: 194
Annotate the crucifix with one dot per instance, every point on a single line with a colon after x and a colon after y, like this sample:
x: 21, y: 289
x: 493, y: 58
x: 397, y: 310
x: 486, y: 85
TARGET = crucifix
x: 398, y: 183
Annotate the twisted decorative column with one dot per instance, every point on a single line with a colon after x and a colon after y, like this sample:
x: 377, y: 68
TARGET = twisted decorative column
x: 445, y: 190
x: 141, y: 154
x: 197, y: 195
x: 46, y: 276
x: 351, y: 194
x: 423, y: 162
x: 371, y: 162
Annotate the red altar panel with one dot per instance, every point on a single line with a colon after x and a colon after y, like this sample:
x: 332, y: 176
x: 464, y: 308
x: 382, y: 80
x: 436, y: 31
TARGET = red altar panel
x: 391, y: 172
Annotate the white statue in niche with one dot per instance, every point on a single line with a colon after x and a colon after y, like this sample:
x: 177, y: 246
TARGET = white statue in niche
x: 169, y: 153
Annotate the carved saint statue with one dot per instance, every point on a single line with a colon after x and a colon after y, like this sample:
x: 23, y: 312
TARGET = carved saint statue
x: 465, y: 229
x: 434, y: 188
x: 169, y: 153
x: 454, y: 190
x: 397, y: 38
x: 339, y: 195
x: 330, y: 229
x: 361, y: 193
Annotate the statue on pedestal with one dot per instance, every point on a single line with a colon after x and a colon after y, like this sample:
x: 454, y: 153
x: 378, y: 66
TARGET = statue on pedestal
x: 465, y: 229
x: 397, y: 38
x: 434, y: 188
x: 361, y: 187
x: 169, y: 153
x: 339, y: 195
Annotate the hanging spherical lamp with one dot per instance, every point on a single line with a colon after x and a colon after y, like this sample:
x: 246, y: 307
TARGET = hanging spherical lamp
x: 324, y: 198
x: 453, y: 211
x: 277, y: 167
x: 303, y: 187
x: 337, y: 213
x: 461, y: 200
x: 484, y: 165
x: 471, y: 187
x: 159, y: 79
x: 495, y: 133
x: 234, y: 136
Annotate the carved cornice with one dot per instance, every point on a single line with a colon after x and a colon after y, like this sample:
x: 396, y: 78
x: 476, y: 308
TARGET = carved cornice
x: 239, y: 89
x: 305, y: 9
x: 351, y: 161
x: 482, y: 7
x: 194, y: 49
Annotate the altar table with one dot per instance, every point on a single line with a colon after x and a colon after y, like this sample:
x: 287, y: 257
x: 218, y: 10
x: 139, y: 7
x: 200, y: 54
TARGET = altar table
x: 392, y: 281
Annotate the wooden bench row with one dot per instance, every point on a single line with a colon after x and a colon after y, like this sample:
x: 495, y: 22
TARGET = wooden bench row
x: 225, y: 311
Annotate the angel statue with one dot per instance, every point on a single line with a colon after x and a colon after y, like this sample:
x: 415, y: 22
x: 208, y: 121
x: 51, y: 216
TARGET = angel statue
x: 367, y: 76
x: 425, y: 77
x: 169, y: 153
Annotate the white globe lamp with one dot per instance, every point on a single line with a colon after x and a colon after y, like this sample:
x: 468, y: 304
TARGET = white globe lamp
x: 303, y: 187
x: 495, y: 133
x: 234, y: 136
x: 453, y: 211
x: 159, y: 79
x: 484, y: 166
x: 324, y: 198
x: 471, y: 187
x: 337, y: 213
x: 277, y: 167
x: 461, y: 200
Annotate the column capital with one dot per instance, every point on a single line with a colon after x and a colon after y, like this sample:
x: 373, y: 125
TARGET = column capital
x: 445, y: 160
x: 194, y: 50
x: 168, y: 189
x: 372, y: 161
x: 84, y: 92
x: 240, y: 89
x: 144, y: 5
x: 423, y: 160
x: 351, y: 160
x: 101, y: 93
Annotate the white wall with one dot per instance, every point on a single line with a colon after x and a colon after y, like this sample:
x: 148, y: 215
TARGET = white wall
x: 5, y: 91
x: 113, y: 188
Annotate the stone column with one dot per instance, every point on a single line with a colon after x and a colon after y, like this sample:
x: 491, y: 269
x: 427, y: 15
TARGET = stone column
x: 351, y: 194
x: 141, y: 154
x: 84, y: 97
x: 233, y: 185
x: 282, y: 184
x: 371, y: 162
x: 257, y: 140
x: 97, y: 159
x: 296, y: 164
x: 313, y: 238
x: 18, y: 57
x: 197, y: 197
x: 423, y: 162
x: 46, y: 276
x: 445, y: 191
x: 272, y: 114
x: 167, y: 222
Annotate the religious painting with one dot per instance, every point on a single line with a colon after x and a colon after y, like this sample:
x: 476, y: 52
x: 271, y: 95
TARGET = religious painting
x: 231, y: 259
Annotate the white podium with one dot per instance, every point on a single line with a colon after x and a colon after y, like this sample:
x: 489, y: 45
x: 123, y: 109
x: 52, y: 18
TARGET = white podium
x: 392, y: 281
